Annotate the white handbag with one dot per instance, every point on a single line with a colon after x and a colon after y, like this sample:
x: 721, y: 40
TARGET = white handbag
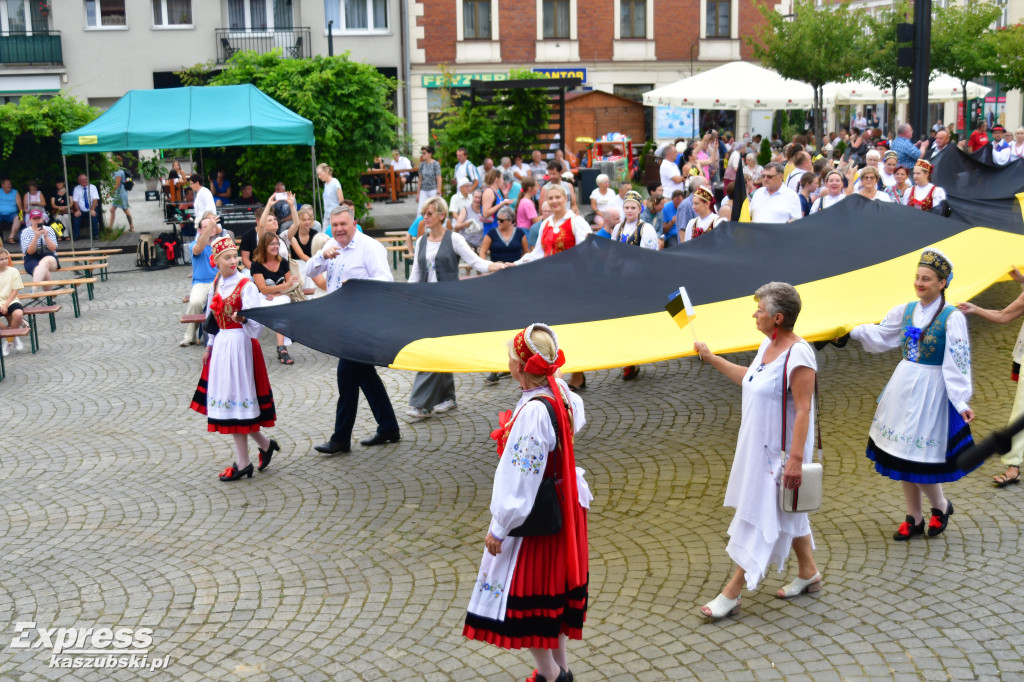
x: 807, y: 496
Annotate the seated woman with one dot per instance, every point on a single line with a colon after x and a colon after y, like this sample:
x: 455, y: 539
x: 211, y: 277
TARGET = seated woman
x: 39, y: 244
x: 221, y: 188
x: 302, y: 240
x: 35, y: 199
x: 59, y: 209
x: 505, y: 243
x: 924, y: 195
x: 272, y: 277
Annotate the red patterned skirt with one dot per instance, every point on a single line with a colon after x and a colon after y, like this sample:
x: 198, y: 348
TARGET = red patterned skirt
x: 236, y: 395
x: 540, y: 606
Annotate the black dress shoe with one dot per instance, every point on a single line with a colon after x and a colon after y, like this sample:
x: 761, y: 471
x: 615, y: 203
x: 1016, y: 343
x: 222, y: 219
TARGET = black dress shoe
x: 232, y: 473
x: 266, y: 455
x: 939, y: 520
x: 381, y: 439
x: 331, y: 448
x: 907, y: 529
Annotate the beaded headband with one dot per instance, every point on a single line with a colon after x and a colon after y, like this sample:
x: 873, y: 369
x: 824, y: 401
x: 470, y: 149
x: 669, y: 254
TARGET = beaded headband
x: 921, y: 163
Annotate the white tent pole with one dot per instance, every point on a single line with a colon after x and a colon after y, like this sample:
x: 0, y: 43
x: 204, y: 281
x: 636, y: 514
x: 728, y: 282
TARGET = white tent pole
x: 316, y: 204
x: 67, y: 188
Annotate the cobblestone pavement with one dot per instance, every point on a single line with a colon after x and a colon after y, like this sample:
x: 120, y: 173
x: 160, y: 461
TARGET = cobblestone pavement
x: 358, y: 567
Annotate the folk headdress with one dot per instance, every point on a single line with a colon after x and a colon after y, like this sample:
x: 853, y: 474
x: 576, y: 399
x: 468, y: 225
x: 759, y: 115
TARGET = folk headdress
x: 705, y: 194
x: 937, y: 261
x: 223, y: 245
x: 634, y: 197
x: 524, y: 350
x: 927, y: 167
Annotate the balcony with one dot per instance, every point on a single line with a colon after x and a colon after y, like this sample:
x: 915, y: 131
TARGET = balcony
x: 293, y: 42
x: 19, y: 47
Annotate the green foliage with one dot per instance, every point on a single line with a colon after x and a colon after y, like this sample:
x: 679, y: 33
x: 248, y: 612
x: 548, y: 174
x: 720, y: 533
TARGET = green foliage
x: 30, y: 133
x: 152, y: 168
x: 961, y: 44
x: 817, y: 45
x: 1009, y: 48
x: 501, y: 128
x: 348, y: 103
x: 882, y: 68
x: 764, y: 156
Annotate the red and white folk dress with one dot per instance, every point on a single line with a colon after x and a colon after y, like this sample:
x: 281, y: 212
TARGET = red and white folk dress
x: 558, y: 236
x: 524, y: 596
x: 234, y: 390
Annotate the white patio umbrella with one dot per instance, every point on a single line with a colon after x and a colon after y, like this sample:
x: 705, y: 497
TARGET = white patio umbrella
x: 735, y: 85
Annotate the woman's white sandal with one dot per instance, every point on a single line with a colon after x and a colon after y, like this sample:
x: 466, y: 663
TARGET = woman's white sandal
x: 720, y: 607
x: 800, y: 586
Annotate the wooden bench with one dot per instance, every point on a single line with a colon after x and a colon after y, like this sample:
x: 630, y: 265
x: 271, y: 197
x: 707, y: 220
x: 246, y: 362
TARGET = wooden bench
x: 10, y: 334
x: 82, y: 270
x: 31, y: 313
x: 76, y: 277
x: 62, y: 285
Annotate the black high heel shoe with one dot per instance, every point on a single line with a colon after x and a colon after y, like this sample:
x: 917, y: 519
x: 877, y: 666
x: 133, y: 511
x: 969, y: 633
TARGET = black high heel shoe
x: 233, y: 474
x: 266, y: 455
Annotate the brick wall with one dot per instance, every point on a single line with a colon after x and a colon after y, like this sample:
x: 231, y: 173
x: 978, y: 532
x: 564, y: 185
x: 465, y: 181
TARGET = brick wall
x: 438, y: 22
x: 595, y: 24
x: 676, y: 27
x: 750, y: 24
x: 518, y: 25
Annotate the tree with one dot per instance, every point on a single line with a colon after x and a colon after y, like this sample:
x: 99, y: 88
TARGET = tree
x: 348, y: 102
x: 882, y: 68
x: 1008, y: 42
x: 817, y: 45
x: 764, y: 156
x: 30, y: 132
x: 507, y: 126
x: 961, y: 46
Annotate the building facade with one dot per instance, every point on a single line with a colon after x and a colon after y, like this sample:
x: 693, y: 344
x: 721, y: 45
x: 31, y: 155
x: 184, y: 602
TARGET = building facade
x: 624, y: 47
x: 97, y: 50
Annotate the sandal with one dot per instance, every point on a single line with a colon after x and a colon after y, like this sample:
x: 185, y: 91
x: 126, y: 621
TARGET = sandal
x: 1002, y: 480
x: 800, y: 586
x: 720, y: 607
x: 282, y: 355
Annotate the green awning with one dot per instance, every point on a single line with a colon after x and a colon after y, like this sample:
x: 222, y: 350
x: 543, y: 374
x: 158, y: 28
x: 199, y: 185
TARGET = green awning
x: 190, y: 118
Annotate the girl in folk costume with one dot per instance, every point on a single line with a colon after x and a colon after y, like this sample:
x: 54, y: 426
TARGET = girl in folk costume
x: 921, y: 423
x: 234, y: 391
x: 707, y: 219
x: 531, y: 589
x: 635, y: 232
x: 562, y: 230
x: 632, y: 230
x: 923, y: 194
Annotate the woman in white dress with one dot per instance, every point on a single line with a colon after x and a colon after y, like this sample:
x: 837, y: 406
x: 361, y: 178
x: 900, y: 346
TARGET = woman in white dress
x: 922, y: 420
x: 888, y: 171
x: 707, y: 219
x: 602, y: 195
x: 760, y: 533
x: 532, y: 587
x: 834, y: 191
x: 234, y: 391
x: 923, y: 194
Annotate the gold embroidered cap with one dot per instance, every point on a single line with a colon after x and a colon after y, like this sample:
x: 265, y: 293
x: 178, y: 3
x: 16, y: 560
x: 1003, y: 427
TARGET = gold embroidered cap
x: 937, y: 261
x: 635, y: 197
x: 705, y: 194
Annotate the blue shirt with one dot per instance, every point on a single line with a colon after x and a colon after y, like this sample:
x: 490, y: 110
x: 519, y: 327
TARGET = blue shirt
x: 414, y: 229
x: 202, y: 271
x: 667, y: 213
x: 534, y: 233
x: 513, y: 193
x: 906, y: 153
x: 603, y: 233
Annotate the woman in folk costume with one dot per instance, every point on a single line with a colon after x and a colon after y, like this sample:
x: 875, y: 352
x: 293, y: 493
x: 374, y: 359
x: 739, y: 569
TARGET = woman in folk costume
x: 234, y: 391
x: 560, y: 231
x: 635, y: 232
x: 707, y: 219
x: 923, y: 194
x: 921, y: 423
x: 531, y: 589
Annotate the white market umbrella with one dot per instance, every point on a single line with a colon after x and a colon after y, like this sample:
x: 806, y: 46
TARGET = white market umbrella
x: 735, y: 85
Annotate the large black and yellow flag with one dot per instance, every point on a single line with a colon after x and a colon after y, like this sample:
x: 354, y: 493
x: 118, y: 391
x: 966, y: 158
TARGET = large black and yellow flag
x: 851, y: 263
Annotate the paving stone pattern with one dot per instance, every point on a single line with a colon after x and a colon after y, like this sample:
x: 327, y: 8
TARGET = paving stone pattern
x: 359, y: 566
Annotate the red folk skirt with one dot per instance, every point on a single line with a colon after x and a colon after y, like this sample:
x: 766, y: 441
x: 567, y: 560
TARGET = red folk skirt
x: 540, y: 606
x: 264, y: 396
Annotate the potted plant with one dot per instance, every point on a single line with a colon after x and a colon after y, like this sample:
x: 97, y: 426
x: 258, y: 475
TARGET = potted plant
x: 154, y: 170
x: 44, y: 9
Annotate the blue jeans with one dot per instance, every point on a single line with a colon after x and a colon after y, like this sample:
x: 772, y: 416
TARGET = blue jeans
x: 76, y: 223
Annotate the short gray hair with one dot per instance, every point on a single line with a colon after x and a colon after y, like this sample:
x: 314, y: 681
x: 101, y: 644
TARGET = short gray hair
x: 903, y: 129
x: 779, y: 297
x: 693, y: 183
x: 342, y: 209
x: 775, y: 167
x: 506, y: 176
x: 506, y: 213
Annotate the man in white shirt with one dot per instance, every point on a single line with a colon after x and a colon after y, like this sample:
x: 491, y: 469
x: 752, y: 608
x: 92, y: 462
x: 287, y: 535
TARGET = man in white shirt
x: 774, y: 202
x: 483, y: 169
x: 462, y: 197
x: 671, y: 177
x: 465, y: 168
x: 85, y: 202
x: 353, y: 255
x: 204, y: 201
x: 938, y: 146
x: 400, y: 163
x: 802, y: 164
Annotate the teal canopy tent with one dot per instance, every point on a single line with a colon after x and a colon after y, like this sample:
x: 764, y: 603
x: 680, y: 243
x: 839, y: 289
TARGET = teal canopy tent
x: 192, y: 118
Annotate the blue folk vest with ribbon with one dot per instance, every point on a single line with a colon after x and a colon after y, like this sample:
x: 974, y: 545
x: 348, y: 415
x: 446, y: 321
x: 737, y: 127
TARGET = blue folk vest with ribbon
x: 924, y: 346
x: 446, y: 261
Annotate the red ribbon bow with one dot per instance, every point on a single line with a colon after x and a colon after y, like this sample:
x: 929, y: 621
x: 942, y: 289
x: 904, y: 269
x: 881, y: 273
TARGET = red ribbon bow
x: 217, y: 305
x: 538, y: 365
